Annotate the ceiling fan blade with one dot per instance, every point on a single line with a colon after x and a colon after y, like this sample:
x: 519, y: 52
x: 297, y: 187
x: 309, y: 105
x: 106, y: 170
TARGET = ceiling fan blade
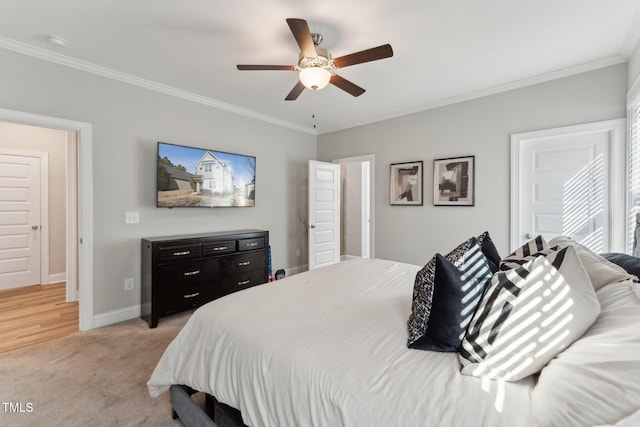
x: 266, y: 67
x: 301, y: 33
x: 373, y: 54
x: 295, y: 92
x: 346, y: 85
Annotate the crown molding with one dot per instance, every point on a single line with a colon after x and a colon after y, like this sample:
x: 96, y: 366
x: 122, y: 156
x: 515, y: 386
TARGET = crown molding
x: 109, y: 73
x: 489, y: 91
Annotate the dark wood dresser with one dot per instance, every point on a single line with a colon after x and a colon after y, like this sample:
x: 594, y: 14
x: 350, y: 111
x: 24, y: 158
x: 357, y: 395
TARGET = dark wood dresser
x: 184, y: 272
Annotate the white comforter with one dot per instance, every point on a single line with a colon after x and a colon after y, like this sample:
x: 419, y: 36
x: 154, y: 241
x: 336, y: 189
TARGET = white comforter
x: 328, y: 348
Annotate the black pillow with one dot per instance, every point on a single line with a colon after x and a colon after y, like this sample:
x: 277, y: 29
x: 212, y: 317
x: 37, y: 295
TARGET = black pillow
x: 490, y: 251
x: 456, y: 293
x: 630, y: 263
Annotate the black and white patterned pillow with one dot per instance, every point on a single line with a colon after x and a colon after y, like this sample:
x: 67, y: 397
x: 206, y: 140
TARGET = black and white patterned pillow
x: 528, y: 315
x: 445, y: 295
x: 525, y: 253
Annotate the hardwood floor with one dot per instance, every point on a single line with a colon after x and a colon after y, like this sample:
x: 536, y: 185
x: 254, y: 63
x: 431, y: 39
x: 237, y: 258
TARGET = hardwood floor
x: 35, y: 314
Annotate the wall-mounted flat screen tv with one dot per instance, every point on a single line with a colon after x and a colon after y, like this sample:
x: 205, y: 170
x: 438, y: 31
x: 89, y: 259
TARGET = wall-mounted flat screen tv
x: 197, y: 177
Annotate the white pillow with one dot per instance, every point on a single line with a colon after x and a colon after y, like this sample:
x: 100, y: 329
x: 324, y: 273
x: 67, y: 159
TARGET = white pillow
x: 597, y: 379
x: 600, y: 270
x: 527, y: 316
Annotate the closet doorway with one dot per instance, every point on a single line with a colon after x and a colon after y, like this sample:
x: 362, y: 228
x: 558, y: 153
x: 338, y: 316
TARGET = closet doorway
x: 569, y: 181
x: 357, y: 206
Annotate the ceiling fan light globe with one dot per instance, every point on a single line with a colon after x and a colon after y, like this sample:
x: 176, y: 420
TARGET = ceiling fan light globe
x: 315, y: 78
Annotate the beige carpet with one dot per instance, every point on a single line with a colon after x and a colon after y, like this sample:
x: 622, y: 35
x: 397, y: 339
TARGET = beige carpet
x: 95, y: 378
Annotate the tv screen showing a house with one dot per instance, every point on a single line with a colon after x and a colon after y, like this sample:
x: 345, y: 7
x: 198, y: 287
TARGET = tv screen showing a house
x: 197, y: 177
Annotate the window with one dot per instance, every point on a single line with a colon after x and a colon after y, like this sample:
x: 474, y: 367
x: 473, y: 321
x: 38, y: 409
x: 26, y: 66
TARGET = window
x: 633, y: 168
x: 207, y: 167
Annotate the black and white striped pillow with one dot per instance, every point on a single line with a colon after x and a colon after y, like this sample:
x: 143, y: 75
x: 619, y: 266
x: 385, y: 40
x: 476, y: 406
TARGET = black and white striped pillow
x: 525, y: 253
x: 528, y: 315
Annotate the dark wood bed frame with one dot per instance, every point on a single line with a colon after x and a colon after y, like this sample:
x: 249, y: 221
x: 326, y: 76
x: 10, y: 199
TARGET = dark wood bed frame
x: 214, y: 413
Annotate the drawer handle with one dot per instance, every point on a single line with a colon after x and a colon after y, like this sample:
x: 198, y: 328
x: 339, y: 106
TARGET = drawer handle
x: 252, y: 244
x: 193, y: 295
x: 191, y: 273
x: 244, y: 282
x: 242, y: 264
x: 220, y: 248
x: 181, y: 253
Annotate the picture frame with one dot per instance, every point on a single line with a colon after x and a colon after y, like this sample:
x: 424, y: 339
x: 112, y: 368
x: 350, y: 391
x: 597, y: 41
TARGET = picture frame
x: 454, y: 181
x: 406, y: 184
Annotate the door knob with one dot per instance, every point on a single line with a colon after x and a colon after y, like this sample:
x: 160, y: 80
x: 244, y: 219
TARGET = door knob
x: 34, y: 227
x: 312, y: 226
x: 528, y: 236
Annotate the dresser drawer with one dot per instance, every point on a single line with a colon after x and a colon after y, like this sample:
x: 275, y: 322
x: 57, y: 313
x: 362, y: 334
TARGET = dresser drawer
x: 218, y: 248
x: 172, y: 253
x: 250, y: 244
x: 185, y: 274
x: 243, y: 280
x: 180, y: 299
x: 243, y: 262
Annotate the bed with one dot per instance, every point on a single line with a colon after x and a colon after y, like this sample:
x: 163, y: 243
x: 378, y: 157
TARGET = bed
x: 328, y: 347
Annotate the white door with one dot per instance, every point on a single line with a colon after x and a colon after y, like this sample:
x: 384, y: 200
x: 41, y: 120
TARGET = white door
x: 324, y: 214
x: 562, y: 184
x: 19, y: 221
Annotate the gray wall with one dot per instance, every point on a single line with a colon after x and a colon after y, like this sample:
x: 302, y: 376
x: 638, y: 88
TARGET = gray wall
x: 127, y: 122
x: 480, y: 127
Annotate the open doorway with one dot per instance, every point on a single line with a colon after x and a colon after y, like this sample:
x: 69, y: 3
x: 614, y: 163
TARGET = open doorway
x: 78, y: 201
x: 37, y: 167
x: 357, y: 206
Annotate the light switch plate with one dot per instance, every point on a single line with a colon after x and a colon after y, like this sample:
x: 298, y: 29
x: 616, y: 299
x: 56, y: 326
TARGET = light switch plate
x: 132, y: 217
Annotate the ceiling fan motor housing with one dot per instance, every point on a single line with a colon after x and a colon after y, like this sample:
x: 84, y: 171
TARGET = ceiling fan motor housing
x: 321, y: 60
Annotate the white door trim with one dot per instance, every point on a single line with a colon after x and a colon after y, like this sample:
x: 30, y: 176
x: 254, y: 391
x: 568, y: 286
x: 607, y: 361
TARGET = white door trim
x: 617, y: 183
x: 366, y: 210
x: 72, y: 216
x: 85, y: 203
x: 44, y: 203
x: 371, y: 158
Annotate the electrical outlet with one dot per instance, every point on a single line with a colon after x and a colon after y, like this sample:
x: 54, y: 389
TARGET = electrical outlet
x: 298, y: 252
x: 128, y: 284
x: 131, y: 217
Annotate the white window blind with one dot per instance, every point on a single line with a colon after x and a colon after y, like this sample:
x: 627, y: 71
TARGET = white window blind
x: 634, y: 176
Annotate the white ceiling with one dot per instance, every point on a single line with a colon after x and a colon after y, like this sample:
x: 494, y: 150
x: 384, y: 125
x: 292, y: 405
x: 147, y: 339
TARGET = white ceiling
x: 444, y: 51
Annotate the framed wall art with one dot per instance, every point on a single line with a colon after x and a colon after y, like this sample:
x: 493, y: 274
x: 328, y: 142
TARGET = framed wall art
x: 405, y: 184
x: 453, y: 181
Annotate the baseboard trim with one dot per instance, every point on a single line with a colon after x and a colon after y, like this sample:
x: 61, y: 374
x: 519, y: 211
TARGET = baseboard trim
x: 297, y: 269
x: 116, y: 316
x: 57, y: 278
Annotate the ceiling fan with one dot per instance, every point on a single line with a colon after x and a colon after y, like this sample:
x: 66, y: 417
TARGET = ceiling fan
x: 316, y: 65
